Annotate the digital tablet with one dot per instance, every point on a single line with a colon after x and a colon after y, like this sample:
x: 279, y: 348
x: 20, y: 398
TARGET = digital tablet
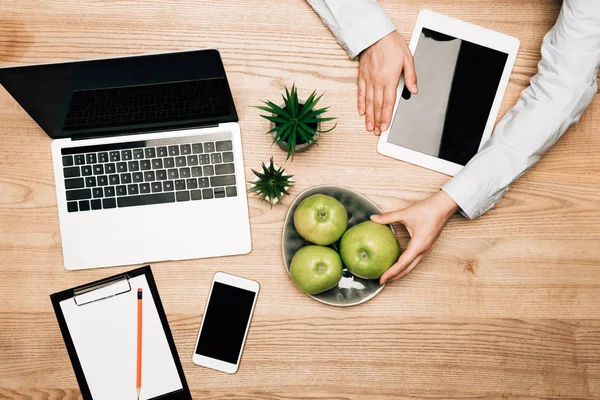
x: 462, y: 73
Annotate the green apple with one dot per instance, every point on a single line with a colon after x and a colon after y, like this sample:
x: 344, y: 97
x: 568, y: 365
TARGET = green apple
x: 321, y: 219
x: 315, y: 269
x: 369, y: 249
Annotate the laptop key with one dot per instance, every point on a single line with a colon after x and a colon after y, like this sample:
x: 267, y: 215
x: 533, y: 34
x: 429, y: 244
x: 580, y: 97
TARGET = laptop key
x: 145, y: 199
x: 157, y: 163
x: 169, y: 162
x: 90, y: 181
x: 186, y: 149
x: 84, y: 205
x: 161, y: 151
x: 74, y: 183
x: 96, y: 204
x: 228, y: 157
x: 132, y: 189
x: 219, y: 193
x: 114, y: 156
x: 222, y: 180
x: 122, y: 167
x: 138, y: 154
x: 161, y: 175
x: 121, y: 190
x: 156, y: 187
x: 192, y: 183
x: 102, y: 180
x: 109, y: 191
x: 149, y: 176
x: 174, y: 150
x: 114, y: 179
x: 126, y: 155
x: 86, y: 170
x: 79, y: 159
x: 196, y: 171
x: 208, y: 170
x: 196, y: 194
x: 192, y: 160
x: 224, y: 145
x: 168, y: 186
x: 67, y: 161
x: 72, y: 206
x: 109, y: 203
x: 144, y: 188
x: 224, y: 169
x: 197, y: 148
x: 180, y: 184
x: 203, y: 182
x: 207, y: 194
x: 71, y: 172
x: 204, y: 159
x: 150, y: 152
x: 145, y: 165
x: 91, y: 158
x: 137, y: 177
x: 97, y: 192
x: 183, y: 196
x: 209, y: 147
x: 126, y: 178
x: 184, y: 172
x: 133, y: 166
x: 103, y: 157
x: 80, y: 194
x: 180, y: 161
x: 173, y: 174
x: 98, y: 169
x: 110, y: 168
x: 231, y: 191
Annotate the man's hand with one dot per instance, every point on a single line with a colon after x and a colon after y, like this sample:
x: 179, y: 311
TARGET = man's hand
x: 379, y: 72
x: 424, y: 221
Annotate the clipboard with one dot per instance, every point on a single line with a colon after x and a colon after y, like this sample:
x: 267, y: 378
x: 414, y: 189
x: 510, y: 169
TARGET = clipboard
x: 98, y: 324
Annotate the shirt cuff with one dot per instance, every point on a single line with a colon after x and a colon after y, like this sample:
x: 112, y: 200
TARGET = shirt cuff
x: 367, y: 31
x: 468, y: 195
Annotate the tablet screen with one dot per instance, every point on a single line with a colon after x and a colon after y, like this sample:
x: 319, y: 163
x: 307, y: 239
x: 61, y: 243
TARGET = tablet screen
x: 457, y: 81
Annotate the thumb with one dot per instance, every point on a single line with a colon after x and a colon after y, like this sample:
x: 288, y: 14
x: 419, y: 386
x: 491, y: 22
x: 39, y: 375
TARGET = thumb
x: 410, y: 76
x: 388, y: 218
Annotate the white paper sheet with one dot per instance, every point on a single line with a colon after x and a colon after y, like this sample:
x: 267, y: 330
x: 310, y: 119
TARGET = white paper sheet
x: 105, y: 337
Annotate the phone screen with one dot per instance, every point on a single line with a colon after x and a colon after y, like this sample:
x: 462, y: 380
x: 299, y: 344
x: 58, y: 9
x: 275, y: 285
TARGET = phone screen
x: 225, y: 323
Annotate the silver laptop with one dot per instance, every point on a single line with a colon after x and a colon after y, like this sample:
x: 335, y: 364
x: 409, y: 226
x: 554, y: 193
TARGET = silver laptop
x: 147, y: 156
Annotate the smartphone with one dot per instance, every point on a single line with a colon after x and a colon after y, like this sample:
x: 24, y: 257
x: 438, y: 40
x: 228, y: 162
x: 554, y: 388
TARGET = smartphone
x: 225, y: 322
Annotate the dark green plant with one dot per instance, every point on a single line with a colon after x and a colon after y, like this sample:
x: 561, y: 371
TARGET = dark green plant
x: 295, y: 122
x: 271, y: 182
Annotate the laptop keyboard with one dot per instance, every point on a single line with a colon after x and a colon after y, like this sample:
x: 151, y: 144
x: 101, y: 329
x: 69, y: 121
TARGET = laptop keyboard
x: 129, y: 174
x: 165, y: 102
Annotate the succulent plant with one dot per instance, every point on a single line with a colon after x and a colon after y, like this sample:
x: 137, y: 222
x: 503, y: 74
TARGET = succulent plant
x: 295, y: 123
x: 271, y: 184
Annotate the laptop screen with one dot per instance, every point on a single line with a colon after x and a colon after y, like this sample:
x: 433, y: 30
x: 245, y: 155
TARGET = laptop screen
x: 121, y: 95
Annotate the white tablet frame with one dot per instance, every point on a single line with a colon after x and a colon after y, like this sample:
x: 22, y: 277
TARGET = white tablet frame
x: 234, y: 281
x: 469, y: 32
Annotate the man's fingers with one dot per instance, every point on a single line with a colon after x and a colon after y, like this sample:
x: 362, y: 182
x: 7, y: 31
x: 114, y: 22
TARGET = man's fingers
x: 410, y: 76
x: 362, y: 93
x: 388, y: 218
x: 369, y: 108
x: 377, y: 103
x: 409, y: 269
x: 406, y: 259
x: 389, y: 99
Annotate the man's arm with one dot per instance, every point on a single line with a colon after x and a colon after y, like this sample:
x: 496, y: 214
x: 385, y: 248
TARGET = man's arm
x: 361, y: 27
x: 356, y: 24
x: 557, y: 96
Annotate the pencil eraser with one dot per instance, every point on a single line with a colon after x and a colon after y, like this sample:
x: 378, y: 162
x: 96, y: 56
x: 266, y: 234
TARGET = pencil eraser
x: 140, y: 290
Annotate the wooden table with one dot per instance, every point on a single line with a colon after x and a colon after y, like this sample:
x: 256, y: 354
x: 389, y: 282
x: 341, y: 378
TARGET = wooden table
x: 507, y: 306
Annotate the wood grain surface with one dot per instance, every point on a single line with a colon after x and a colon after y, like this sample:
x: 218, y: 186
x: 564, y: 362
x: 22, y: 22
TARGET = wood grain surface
x: 507, y: 306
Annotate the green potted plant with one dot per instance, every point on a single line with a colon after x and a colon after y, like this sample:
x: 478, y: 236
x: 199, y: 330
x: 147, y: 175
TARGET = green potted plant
x: 271, y: 184
x: 295, y: 125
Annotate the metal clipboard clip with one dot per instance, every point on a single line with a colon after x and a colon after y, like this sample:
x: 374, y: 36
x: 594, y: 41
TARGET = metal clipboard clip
x: 101, y: 291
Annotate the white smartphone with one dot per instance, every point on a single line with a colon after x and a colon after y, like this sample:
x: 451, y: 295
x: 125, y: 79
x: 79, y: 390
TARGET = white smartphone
x: 225, y: 322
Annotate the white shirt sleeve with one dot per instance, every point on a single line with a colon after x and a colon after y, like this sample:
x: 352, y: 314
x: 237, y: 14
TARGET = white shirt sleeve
x: 557, y: 96
x: 356, y: 24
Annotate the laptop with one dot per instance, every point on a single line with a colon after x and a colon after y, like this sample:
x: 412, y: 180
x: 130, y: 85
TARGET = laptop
x: 147, y: 156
